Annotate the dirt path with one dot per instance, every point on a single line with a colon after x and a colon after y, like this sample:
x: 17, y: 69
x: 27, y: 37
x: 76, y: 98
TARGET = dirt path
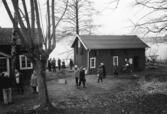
x: 68, y: 95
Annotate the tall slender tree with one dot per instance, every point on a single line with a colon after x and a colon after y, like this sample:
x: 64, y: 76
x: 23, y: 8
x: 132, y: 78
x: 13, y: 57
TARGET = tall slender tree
x: 79, y: 17
x: 37, y: 43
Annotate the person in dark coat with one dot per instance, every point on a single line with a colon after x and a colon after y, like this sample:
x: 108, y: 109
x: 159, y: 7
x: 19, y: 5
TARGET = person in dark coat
x: 63, y: 65
x: 71, y: 64
x: 59, y: 64
x: 49, y: 64
x: 19, y: 82
x: 82, y: 78
x: 116, y: 71
x: 100, y: 74
x: 54, y: 65
x: 7, y: 88
x: 104, y: 70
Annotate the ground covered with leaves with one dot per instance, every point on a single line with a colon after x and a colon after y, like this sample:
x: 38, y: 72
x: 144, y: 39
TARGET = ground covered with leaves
x: 128, y: 95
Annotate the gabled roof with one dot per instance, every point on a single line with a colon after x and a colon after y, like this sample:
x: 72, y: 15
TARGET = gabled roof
x: 111, y: 42
x: 6, y: 36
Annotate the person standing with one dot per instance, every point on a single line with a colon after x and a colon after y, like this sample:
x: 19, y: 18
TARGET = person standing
x: 34, y: 82
x: 59, y: 64
x: 54, y: 65
x: 49, y: 64
x: 76, y: 74
x: 19, y: 82
x: 71, y: 64
x: 63, y: 65
x: 6, y: 88
x: 115, y: 71
x: 100, y: 74
x: 104, y: 70
x: 82, y: 78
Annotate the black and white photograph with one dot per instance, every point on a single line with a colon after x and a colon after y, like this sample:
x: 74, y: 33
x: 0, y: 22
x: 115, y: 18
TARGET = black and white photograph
x: 83, y: 57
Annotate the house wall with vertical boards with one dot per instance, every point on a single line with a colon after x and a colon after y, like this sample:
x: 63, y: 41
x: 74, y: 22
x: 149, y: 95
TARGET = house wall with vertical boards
x: 106, y: 56
x: 20, y: 51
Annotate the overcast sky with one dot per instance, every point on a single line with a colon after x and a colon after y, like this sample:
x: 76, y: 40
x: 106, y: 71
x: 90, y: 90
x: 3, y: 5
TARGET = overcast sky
x: 112, y: 21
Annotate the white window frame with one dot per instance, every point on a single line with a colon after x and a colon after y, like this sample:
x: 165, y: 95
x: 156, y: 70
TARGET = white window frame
x: 114, y: 61
x: 92, y: 59
x: 26, y: 61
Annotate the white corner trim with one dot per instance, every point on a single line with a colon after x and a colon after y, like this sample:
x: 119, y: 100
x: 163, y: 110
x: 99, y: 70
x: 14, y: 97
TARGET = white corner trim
x: 81, y: 41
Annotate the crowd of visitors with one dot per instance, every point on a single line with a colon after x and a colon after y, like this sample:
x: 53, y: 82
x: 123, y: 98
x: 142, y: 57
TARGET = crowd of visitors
x: 61, y: 65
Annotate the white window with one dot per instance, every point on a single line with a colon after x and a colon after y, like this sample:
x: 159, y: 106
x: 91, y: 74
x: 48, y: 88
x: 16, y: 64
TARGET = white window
x: 93, y: 62
x: 115, y: 60
x: 25, y: 63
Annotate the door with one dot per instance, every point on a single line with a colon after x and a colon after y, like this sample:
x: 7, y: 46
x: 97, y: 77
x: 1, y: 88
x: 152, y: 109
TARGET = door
x: 136, y: 62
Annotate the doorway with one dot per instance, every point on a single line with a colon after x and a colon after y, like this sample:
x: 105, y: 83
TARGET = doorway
x: 136, y: 62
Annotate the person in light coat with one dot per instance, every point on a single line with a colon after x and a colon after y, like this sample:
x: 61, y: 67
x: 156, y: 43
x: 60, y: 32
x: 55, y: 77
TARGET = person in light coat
x: 76, y: 74
x: 34, y: 82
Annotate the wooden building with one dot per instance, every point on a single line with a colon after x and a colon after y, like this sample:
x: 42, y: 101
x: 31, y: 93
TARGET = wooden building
x: 112, y: 50
x: 22, y: 63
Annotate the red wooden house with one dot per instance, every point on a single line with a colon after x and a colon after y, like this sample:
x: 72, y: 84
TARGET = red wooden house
x: 112, y: 50
x: 22, y: 63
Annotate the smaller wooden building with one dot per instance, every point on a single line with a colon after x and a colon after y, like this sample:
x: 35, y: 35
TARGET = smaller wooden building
x: 112, y: 50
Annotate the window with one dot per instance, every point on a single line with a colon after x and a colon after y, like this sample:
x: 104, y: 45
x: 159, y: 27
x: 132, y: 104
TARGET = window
x: 93, y: 62
x: 115, y: 60
x: 25, y: 63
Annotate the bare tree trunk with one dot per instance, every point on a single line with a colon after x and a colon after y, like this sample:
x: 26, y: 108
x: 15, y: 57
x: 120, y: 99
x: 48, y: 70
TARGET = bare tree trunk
x: 77, y: 18
x: 40, y: 68
x: 13, y: 45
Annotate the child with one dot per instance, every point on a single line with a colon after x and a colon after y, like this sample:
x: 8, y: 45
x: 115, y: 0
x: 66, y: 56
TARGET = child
x: 34, y: 82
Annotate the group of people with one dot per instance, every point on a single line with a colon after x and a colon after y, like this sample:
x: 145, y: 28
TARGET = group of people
x: 79, y: 74
x: 7, y: 84
x: 52, y: 64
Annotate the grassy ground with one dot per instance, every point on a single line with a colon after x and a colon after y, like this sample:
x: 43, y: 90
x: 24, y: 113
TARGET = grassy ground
x: 123, y: 95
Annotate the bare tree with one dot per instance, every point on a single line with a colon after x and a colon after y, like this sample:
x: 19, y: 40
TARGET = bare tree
x: 155, y: 21
x: 37, y: 43
x: 79, y: 17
